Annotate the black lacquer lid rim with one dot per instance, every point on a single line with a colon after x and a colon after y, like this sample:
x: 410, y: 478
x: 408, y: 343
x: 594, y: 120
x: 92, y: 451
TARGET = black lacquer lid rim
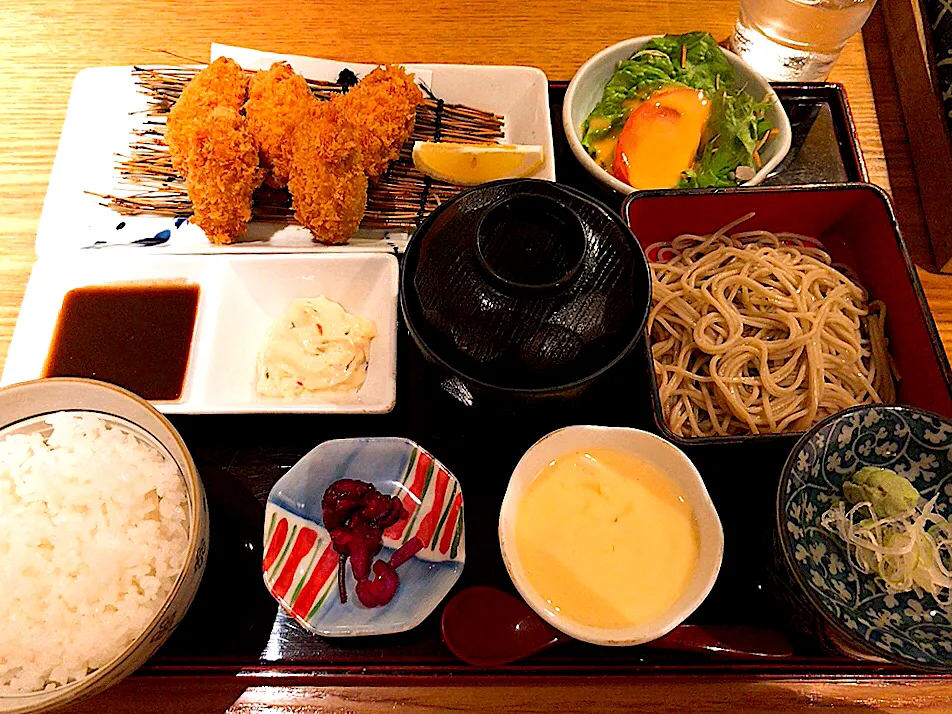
x: 641, y: 274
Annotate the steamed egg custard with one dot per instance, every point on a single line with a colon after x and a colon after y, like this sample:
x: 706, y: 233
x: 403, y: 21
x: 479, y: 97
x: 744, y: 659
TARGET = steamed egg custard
x: 606, y: 538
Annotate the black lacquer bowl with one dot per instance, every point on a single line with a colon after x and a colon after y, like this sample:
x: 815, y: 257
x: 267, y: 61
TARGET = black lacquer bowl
x: 524, y: 289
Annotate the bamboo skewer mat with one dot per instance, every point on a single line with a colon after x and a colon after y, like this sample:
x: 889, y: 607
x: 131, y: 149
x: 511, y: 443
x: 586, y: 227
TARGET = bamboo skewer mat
x: 398, y: 201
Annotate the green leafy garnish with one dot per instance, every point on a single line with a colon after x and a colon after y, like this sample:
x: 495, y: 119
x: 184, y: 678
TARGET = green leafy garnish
x: 737, y: 127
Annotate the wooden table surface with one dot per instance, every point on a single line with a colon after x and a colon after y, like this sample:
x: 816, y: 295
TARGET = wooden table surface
x: 43, y: 43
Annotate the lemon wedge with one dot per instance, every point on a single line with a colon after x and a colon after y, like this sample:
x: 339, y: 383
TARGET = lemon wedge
x: 472, y: 164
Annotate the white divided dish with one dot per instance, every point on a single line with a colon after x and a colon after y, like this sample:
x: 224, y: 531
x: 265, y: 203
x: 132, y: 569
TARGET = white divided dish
x: 106, y: 108
x: 240, y: 296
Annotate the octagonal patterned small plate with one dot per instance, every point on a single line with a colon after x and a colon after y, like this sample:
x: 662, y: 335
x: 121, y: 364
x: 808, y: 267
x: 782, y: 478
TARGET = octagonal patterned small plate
x: 300, y: 566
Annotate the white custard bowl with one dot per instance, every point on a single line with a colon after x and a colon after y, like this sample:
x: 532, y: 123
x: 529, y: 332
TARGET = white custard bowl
x: 682, y: 474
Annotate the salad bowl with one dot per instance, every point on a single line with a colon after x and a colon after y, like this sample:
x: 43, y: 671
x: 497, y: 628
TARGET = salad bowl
x: 586, y: 88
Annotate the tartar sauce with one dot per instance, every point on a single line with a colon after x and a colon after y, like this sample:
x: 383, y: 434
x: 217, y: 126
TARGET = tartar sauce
x: 314, y: 346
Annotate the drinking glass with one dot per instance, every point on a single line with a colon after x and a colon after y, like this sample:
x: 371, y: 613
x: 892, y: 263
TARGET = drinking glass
x: 796, y: 40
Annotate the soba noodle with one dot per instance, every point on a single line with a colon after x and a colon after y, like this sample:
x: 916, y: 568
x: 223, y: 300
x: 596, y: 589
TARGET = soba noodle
x: 757, y: 332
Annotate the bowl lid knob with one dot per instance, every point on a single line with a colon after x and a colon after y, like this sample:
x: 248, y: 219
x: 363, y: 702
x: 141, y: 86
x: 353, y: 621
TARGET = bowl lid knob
x: 530, y: 244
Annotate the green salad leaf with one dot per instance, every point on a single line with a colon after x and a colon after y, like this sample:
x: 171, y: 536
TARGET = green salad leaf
x: 705, y: 66
x: 737, y: 125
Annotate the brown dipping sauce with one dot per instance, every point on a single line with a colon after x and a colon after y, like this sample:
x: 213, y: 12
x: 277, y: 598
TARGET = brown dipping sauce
x: 136, y: 335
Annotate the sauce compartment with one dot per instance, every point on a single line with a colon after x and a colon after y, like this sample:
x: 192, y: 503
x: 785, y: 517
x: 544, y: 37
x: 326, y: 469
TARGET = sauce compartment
x: 46, y: 300
x: 136, y: 335
x: 256, y: 289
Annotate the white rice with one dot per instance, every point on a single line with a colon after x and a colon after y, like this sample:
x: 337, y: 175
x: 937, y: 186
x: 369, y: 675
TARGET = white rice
x: 93, y: 534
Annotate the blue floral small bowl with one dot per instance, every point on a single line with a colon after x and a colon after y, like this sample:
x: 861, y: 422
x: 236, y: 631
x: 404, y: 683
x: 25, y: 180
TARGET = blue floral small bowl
x: 847, y: 608
x: 300, y: 565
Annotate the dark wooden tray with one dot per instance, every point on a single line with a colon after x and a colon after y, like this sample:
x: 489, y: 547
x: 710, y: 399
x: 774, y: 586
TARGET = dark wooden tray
x: 924, y: 116
x: 825, y: 148
x: 235, y: 627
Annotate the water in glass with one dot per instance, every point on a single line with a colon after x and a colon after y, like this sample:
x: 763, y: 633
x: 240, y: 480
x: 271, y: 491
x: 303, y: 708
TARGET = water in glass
x: 796, y: 40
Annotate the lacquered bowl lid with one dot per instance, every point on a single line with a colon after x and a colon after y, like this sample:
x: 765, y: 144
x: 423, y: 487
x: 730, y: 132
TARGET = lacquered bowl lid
x: 525, y: 285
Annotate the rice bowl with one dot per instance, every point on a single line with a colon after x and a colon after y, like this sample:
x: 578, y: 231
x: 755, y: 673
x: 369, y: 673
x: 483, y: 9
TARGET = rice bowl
x: 102, y: 542
x: 93, y: 536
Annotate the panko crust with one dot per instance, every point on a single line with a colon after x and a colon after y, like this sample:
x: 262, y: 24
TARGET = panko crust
x: 327, y: 183
x: 226, y: 134
x: 381, y: 109
x: 279, y: 100
x: 213, y: 150
x: 221, y: 84
x: 223, y: 174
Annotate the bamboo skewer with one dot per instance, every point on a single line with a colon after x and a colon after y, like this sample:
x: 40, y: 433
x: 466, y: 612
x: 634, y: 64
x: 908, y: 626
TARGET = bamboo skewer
x: 393, y: 201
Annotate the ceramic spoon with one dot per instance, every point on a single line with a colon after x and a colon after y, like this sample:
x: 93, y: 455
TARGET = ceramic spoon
x: 487, y: 627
